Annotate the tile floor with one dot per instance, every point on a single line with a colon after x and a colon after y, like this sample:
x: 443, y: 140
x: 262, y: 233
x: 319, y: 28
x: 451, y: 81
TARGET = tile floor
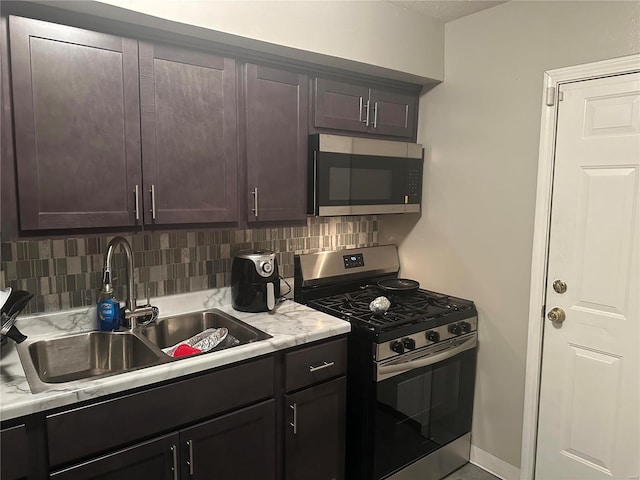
x: 471, y: 472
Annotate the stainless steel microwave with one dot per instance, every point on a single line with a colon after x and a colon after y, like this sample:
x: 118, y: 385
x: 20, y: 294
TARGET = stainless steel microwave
x: 363, y: 176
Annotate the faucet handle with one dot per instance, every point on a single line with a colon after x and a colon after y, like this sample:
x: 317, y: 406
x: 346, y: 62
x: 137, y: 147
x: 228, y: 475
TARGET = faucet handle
x: 131, y: 318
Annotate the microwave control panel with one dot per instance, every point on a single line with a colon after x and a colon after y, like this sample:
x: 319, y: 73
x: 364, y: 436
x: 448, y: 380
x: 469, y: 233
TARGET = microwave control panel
x: 413, y: 185
x: 414, y: 181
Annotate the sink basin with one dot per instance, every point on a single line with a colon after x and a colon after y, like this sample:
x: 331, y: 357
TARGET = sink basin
x: 58, y: 362
x: 85, y: 355
x: 169, y: 331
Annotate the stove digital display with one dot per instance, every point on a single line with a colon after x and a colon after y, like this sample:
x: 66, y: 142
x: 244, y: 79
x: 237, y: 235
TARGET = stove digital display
x: 353, y: 261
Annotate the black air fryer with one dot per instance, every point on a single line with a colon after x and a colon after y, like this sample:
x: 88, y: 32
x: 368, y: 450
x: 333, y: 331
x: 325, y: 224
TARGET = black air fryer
x: 255, y: 283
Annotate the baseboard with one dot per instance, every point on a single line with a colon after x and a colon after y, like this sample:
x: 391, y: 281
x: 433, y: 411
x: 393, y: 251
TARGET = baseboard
x: 494, y: 465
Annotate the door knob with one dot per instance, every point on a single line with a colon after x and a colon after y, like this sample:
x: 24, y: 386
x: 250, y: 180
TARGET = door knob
x: 560, y: 286
x: 557, y: 315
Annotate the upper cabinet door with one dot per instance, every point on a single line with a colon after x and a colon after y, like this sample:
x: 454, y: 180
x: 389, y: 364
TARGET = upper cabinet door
x: 77, y: 126
x: 393, y: 113
x: 189, y: 135
x: 340, y: 105
x: 277, y: 130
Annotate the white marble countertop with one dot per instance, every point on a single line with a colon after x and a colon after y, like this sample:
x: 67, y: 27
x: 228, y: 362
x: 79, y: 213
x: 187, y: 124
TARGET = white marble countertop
x: 290, y: 324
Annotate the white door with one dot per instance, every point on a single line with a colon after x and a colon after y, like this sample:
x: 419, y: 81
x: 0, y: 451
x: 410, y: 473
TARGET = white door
x: 589, y: 418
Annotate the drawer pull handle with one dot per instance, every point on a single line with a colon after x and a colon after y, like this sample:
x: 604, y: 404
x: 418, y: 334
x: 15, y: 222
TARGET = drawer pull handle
x: 320, y: 367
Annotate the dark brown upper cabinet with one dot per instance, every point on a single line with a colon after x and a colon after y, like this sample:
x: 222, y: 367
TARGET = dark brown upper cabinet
x: 77, y: 126
x: 276, y: 130
x: 189, y: 136
x: 341, y: 105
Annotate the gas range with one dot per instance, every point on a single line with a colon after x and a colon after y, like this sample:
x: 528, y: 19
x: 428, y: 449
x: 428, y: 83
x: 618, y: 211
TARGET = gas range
x: 344, y: 283
x: 411, y: 363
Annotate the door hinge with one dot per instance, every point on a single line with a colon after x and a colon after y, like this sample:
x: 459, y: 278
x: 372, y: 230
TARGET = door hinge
x: 560, y: 95
x: 550, y: 99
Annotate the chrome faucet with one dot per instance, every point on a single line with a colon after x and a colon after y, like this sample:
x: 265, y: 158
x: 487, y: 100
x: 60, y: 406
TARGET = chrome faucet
x: 132, y: 311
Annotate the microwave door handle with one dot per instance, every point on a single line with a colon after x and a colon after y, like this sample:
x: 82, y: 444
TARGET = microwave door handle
x: 385, y: 370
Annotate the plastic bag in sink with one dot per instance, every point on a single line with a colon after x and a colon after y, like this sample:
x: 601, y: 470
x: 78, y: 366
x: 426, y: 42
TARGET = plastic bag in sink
x: 204, y: 341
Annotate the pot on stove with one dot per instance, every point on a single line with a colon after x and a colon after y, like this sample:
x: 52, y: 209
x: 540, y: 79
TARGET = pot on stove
x: 255, y: 283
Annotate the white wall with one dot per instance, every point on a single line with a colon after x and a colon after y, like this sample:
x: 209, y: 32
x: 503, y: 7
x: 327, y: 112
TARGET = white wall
x: 481, y: 132
x: 374, y: 37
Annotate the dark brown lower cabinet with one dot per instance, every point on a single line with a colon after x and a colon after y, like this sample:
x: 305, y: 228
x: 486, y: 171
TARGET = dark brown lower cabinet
x: 13, y: 454
x: 236, y: 446
x: 154, y: 459
x: 315, y: 441
x: 226, y: 424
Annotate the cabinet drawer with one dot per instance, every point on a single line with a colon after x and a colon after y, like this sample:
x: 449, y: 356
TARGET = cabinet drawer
x: 104, y: 426
x: 315, y: 364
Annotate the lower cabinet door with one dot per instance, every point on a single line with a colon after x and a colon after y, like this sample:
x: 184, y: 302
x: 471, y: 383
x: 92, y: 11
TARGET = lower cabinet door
x: 13, y: 453
x: 236, y: 446
x: 155, y: 459
x: 315, y: 434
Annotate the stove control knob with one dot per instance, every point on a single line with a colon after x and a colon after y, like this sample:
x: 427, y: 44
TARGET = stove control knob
x: 409, y: 343
x: 465, y: 327
x: 455, y: 329
x: 433, y: 336
x: 397, y: 347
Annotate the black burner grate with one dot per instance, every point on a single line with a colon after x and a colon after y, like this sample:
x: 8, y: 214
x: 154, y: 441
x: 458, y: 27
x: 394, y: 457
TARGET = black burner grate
x: 406, y: 308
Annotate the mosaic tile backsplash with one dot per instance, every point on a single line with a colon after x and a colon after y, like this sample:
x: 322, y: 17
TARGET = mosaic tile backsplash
x: 67, y: 273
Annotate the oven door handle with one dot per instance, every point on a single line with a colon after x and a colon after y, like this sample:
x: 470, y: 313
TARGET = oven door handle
x: 389, y: 370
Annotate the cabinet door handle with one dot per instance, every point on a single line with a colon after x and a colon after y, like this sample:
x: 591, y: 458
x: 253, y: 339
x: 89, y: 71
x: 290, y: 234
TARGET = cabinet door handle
x: 174, y: 468
x: 294, y: 424
x: 320, y: 367
x: 375, y: 115
x: 190, y: 460
x: 152, y: 191
x: 366, y: 120
x: 255, y: 201
x: 360, y: 111
x: 137, y: 204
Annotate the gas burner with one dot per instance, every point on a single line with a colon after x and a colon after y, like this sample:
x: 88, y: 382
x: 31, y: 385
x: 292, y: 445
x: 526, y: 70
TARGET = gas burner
x: 406, y: 308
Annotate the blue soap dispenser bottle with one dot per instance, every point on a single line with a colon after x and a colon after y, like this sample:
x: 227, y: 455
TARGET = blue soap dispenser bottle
x: 108, y: 307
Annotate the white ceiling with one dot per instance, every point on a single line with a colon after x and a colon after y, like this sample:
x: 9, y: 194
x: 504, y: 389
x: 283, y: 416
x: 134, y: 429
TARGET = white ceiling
x: 447, y: 10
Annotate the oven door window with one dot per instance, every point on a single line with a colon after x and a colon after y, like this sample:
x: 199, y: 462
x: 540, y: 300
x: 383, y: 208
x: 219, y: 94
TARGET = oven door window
x: 360, y: 180
x: 421, y: 410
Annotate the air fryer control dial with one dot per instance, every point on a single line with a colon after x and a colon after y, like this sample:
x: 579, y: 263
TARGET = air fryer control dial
x: 264, y: 261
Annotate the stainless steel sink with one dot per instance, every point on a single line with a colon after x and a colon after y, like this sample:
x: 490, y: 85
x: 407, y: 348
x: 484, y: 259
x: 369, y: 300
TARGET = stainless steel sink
x: 85, y: 355
x: 61, y: 362
x: 169, y: 331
